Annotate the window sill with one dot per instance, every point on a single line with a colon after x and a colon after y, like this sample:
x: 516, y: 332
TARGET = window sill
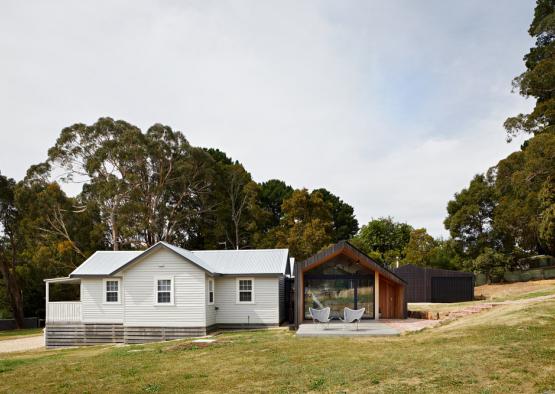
x: 245, y: 302
x: 172, y: 304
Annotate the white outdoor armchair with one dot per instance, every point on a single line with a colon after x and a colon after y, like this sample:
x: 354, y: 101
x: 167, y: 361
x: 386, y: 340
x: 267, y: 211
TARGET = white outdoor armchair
x: 352, y: 316
x: 320, y: 315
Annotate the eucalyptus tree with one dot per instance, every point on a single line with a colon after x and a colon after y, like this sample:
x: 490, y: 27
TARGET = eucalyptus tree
x: 9, y: 247
x: 538, y: 81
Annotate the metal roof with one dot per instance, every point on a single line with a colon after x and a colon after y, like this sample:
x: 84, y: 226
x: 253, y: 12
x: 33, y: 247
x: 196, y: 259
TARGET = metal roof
x: 105, y: 262
x: 247, y: 261
x: 227, y: 262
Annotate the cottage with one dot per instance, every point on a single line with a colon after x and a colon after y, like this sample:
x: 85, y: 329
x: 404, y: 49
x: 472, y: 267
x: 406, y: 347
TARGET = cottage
x: 167, y: 292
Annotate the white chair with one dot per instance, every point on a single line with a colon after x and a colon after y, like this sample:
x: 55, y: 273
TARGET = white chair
x: 352, y: 316
x: 320, y: 315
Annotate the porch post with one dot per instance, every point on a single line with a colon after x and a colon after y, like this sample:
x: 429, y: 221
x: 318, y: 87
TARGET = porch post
x: 376, y: 295
x: 47, y: 299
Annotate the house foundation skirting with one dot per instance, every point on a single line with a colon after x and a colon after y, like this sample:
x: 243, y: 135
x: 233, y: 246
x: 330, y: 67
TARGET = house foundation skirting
x: 63, y: 335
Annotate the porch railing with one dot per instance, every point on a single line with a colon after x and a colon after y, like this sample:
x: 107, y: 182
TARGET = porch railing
x: 63, y: 312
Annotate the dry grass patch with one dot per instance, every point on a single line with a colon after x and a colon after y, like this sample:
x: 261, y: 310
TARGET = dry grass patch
x: 510, y: 291
x: 14, y: 334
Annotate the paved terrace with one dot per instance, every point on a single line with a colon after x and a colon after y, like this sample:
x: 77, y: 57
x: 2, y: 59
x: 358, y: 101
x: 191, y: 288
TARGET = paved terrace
x: 366, y: 328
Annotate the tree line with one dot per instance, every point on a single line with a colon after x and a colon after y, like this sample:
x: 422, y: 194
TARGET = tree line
x: 139, y: 188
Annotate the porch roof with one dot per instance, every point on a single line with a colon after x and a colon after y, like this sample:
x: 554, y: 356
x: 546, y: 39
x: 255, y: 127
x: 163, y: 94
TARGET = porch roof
x: 65, y: 279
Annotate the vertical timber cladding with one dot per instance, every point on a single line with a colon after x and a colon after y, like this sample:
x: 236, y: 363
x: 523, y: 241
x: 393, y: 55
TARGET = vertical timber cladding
x: 452, y: 289
x: 436, y: 285
x: 396, y: 288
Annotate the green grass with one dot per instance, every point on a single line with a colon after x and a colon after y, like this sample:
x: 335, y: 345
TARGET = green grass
x: 14, y: 334
x: 507, y: 349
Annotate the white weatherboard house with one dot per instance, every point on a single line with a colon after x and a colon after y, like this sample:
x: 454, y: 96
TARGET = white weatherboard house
x: 167, y: 292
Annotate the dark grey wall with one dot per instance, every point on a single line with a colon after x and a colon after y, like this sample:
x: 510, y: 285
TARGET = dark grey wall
x: 419, y: 282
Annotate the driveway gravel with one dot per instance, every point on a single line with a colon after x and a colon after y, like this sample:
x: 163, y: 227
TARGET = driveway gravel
x: 22, y: 344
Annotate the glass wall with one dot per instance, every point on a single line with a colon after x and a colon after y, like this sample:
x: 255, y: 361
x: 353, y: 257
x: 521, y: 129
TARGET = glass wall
x: 337, y: 284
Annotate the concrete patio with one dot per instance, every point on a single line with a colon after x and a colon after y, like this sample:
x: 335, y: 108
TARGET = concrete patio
x: 336, y: 328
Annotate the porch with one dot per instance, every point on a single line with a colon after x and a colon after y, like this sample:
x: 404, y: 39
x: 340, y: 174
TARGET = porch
x: 62, y: 311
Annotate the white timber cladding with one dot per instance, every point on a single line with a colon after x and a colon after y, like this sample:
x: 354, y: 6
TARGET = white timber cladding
x: 94, y: 309
x: 264, y: 309
x: 188, y: 308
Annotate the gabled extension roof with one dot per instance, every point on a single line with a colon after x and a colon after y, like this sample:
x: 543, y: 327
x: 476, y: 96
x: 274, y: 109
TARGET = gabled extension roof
x: 344, y: 247
x: 216, y: 262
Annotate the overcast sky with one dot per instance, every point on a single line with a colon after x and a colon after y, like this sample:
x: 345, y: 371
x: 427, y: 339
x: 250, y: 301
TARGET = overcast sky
x: 392, y: 105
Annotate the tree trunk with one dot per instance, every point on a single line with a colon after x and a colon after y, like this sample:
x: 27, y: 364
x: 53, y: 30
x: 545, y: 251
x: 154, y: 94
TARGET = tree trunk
x: 237, y: 235
x: 14, y: 293
x: 115, y: 234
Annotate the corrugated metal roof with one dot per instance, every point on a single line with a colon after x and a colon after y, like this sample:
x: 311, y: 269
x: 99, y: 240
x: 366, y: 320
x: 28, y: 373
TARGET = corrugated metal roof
x: 105, y: 262
x: 253, y: 261
x: 249, y: 261
x: 190, y: 256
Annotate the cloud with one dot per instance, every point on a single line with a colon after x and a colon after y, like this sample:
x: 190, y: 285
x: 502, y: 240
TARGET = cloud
x: 393, y: 105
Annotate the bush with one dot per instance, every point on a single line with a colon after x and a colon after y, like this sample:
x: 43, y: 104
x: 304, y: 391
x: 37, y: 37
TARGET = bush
x: 511, y: 276
x: 480, y: 279
x: 549, y: 273
x: 525, y: 276
x: 536, y: 274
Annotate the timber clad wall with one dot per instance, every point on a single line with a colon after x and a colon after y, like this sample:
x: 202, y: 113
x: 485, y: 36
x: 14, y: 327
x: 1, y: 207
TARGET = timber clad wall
x: 265, y: 309
x: 93, y: 307
x: 450, y: 286
x: 189, y: 292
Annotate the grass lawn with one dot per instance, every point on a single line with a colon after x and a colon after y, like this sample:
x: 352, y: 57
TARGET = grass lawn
x: 14, y: 334
x: 507, y: 349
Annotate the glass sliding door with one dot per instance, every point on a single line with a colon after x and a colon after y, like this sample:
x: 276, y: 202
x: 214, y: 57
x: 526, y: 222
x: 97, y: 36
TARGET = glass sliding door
x: 365, y: 297
x: 334, y: 293
x: 338, y: 292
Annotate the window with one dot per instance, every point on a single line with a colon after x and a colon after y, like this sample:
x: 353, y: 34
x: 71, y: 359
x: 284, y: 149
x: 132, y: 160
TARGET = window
x: 210, y: 291
x: 111, y: 291
x: 245, y: 290
x: 164, y: 291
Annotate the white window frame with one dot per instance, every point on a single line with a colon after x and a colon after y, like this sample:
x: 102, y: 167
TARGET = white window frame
x: 237, y: 299
x: 172, y: 291
x: 211, y: 281
x: 105, y: 291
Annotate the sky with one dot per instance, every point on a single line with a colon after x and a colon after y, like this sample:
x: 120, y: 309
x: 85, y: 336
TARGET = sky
x: 393, y: 105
